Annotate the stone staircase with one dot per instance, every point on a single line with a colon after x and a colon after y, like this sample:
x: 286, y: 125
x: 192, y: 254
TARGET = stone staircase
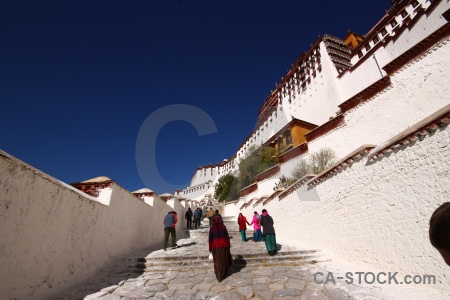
x: 185, y: 272
x: 192, y: 252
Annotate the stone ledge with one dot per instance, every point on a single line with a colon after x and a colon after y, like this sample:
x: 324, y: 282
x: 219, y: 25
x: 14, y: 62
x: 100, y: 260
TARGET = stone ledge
x: 47, y: 177
x: 418, y: 131
x: 365, y: 94
x: 264, y: 198
x: 268, y: 173
x: 92, y: 187
x: 245, y: 205
x: 356, y: 155
x: 296, y: 185
x: 294, y: 152
x: 418, y: 50
x: 391, y: 35
x: 271, y: 197
x: 232, y: 202
x: 248, y: 189
x: 325, y: 128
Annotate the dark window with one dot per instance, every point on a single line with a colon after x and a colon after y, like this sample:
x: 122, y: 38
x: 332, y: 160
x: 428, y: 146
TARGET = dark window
x: 384, y: 32
x: 280, y: 142
x: 404, y: 13
x: 376, y: 39
x: 367, y: 47
x: 360, y: 54
x: 415, y: 3
x: 393, y: 23
x: 288, y: 137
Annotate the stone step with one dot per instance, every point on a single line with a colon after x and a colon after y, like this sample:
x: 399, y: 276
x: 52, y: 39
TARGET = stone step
x: 241, y: 261
x: 202, y: 231
x: 260, y: 259
x: 208, y: 265
x: 234, y: 255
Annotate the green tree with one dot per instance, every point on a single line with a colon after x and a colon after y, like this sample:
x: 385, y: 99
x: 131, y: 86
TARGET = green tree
x: 226, y: 188
x: 267, y: 155
x: 255, y: 163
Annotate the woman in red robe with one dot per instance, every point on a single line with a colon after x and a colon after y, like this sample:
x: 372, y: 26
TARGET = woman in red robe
x: 242, y: 221
x: 219, y: 246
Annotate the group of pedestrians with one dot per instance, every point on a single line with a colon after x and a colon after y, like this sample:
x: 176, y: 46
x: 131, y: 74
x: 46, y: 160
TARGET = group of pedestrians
x: 268, y: 234
x: 219, y: 240
x: 197, y: 215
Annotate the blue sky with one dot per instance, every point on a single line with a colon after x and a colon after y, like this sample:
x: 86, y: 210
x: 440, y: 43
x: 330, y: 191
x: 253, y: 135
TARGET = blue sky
x: 79, y: 78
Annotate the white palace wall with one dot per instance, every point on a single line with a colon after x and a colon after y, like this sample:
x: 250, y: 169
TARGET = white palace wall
x: 376, y: 214
x: 368, y: 72
x: 373, y: 214
x: 417, y: 90
x: 320, y: 99
x: 54, y: 236
x: 328, y: 89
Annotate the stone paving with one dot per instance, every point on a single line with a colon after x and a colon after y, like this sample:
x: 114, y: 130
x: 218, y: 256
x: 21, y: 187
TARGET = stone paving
x: 185, y: 272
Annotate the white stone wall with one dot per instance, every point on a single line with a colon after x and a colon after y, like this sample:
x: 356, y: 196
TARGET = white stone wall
x: 265, y: 188
x: 417, y: 90
x: 53, y: 235
x: 203, y: 175
x: 368, y: 72
x: 418, y: 82
x: 197, y: 192
x: 375, y: 215
x: 320, y: 99
x: 232, y: 209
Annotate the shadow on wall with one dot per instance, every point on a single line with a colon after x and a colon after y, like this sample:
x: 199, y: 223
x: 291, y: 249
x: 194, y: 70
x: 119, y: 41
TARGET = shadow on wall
x: 115, y: 270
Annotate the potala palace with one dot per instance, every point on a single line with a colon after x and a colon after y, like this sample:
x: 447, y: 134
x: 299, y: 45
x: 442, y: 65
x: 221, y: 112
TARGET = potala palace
x: 381, y: 101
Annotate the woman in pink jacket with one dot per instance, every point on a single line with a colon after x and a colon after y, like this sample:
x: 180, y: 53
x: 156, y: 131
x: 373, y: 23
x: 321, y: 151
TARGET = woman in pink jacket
x: 257, y: 234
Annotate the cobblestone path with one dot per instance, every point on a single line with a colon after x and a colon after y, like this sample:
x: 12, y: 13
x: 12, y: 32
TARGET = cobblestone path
x: 185, y: 272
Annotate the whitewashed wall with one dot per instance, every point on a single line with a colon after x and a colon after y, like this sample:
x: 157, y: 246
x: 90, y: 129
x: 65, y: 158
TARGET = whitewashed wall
x: 418, y: 90
x: 319, y: 102
x: 367, y: 73
x: 375, y: 215
x: 203, y: 175
x: 320, y: 99
x: 53, y: 236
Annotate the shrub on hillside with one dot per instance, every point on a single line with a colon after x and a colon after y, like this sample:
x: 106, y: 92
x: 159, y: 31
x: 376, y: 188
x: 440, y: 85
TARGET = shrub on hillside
x: 283, y: 183
x: 316, y: 163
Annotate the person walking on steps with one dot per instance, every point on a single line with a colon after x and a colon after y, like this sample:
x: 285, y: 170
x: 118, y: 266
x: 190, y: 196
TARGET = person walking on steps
x: 257, y: 234
x: 197, y: 214
x: 175, y: 216
x: 201, y: 217
x: 242, y: 221
x: 188, y: 215
x: 210, y: 215
x: 169, y: 228
x: 219, y: 246
x: 268, y: 232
